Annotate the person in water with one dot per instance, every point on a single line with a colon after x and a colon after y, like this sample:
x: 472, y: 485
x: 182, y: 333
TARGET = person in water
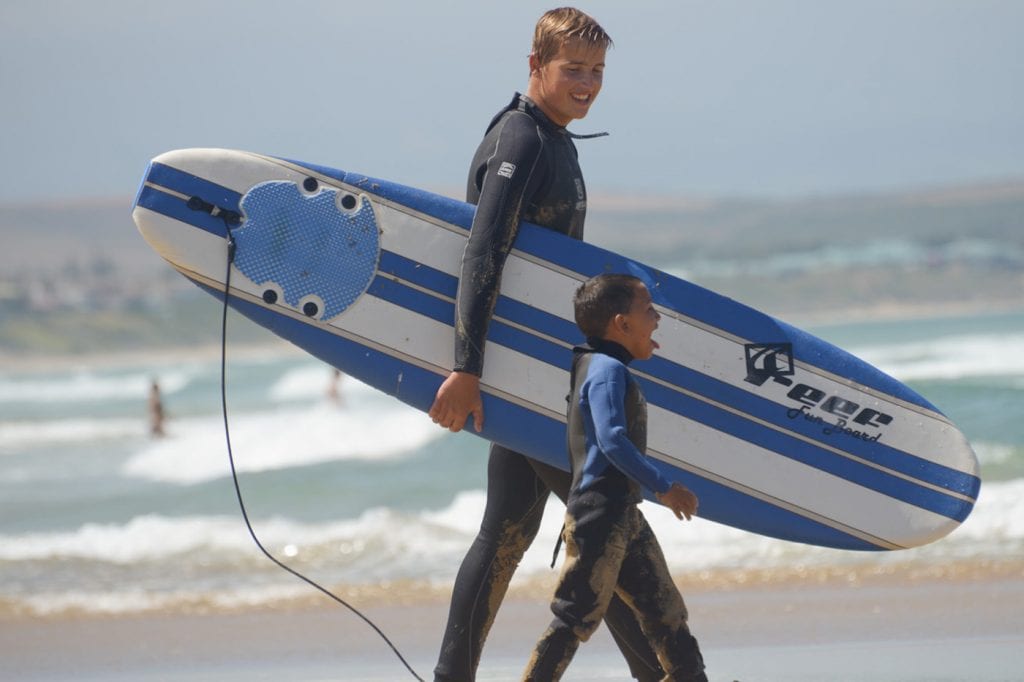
x: 525, y: 168
x: 155, y: 407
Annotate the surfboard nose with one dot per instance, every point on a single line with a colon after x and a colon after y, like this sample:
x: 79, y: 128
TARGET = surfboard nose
x: 183, y: 214
x: 299, y: 241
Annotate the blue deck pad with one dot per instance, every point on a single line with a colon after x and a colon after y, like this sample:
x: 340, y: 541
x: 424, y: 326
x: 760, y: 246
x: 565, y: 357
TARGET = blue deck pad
x: 307, y: 245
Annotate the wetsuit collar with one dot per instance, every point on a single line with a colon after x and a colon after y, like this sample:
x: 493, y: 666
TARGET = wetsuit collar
x: 527, y: 105
x: 611, y: 348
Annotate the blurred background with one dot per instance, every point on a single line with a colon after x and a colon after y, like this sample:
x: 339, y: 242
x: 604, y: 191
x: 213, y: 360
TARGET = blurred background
x: 853, y: 168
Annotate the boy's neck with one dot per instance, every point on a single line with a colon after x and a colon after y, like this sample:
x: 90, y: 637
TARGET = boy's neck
x: 612, y: 348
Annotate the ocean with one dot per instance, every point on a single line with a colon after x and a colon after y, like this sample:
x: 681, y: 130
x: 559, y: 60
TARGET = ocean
x: 369, y: 497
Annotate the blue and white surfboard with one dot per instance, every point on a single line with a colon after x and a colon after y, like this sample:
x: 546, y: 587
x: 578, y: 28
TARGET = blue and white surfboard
x: 776, y: 431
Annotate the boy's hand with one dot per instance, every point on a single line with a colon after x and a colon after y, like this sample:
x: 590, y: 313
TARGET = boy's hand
x: 680, y: 500
x: 456, y: 399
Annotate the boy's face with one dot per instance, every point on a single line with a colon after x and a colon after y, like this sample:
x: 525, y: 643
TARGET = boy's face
x: 639, y: 324
x: 565, y: 87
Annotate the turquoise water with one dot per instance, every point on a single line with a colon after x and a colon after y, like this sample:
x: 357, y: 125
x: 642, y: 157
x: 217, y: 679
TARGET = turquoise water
x: 95, y: 515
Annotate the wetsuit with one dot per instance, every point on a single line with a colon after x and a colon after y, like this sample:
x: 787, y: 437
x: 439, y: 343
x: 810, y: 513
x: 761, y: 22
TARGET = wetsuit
x: 609, y: 546
x: 524, y: 169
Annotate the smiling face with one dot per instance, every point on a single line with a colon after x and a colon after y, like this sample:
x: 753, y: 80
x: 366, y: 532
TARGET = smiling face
x: 565, y: 86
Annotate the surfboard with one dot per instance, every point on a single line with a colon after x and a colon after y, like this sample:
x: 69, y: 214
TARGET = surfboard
x: 778, y: 432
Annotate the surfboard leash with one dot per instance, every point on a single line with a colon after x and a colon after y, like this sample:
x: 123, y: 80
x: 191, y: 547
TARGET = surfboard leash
x: 230, y: 222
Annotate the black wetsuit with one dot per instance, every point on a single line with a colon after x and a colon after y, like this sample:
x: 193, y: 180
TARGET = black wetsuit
x: 524, y: 169
x: 609, y: 546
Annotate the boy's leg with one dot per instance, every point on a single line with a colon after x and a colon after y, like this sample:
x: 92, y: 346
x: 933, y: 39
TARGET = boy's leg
x: 645, y: 582
x: 552, y: 654
x: 595, y: 543
x: 515, y: 505
x: 622, y: 623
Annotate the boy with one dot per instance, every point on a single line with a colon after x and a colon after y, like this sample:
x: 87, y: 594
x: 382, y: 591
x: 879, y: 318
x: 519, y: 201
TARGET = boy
x: 524, y: 169
x: 608, y: 547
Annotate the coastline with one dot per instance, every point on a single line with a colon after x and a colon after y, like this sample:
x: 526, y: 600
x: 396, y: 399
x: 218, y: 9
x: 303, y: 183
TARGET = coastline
x: 207, y: 351
x: 901, y: 624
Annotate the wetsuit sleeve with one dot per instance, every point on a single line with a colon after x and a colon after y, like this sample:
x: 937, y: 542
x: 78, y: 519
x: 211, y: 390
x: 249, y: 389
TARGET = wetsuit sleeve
x: 510, y: 179
x: 606, y: 394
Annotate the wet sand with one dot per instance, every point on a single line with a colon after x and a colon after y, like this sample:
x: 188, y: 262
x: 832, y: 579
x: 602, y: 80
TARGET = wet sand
x: 897, y: 626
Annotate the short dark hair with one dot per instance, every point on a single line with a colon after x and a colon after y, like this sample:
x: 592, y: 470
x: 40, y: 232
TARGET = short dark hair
x: 598, y: 300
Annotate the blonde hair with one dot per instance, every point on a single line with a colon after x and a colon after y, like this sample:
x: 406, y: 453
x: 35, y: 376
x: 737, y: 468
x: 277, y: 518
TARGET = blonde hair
x: 558, y: 26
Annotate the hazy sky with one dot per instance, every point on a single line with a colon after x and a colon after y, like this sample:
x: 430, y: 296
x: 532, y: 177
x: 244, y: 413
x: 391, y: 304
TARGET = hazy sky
x: 762, y: 97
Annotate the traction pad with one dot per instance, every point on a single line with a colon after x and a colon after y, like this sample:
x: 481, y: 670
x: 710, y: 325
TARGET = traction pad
x: 307, y: 248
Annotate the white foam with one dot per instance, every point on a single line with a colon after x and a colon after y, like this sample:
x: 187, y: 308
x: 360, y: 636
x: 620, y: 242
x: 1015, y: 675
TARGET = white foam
x: 994, y: 453
x: 23, y: 434
x: 950, y: 357
x: 140, y: 600
x: 86, y: 385
x: 143, y: 538
x: 313, y: 382
x: 196, y: 450
x: 211, y: 560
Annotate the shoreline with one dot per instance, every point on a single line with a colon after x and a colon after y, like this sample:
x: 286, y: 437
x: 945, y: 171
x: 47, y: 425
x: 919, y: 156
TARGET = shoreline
x: 418, y: 593
x: 971, y: 625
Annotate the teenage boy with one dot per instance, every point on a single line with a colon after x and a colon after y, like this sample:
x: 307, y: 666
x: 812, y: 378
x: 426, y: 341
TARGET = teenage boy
x: 524, y: 169
x: 608, y: 547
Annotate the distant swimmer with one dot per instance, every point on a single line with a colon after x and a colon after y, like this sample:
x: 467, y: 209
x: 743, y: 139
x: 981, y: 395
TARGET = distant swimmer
x: 334, y: 387
x: 156, y: 411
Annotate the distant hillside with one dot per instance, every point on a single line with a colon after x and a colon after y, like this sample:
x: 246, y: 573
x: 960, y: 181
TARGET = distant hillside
x: 660, y: 230
x: 657, y: 230
x: 959, y: 247
x: 46, y: 237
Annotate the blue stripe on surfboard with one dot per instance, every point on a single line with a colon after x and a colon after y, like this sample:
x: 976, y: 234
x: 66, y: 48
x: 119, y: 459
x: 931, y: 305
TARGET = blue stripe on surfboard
x: 446, y: 285
x: 418, y: 273
x: 444, y: 311
x: 173, y: 207
x: 457, y: 213
x: 527, y: 431
x: 797, y: 450
x: 191, y: 185
x: 725, y: 421
x: 769, y: 411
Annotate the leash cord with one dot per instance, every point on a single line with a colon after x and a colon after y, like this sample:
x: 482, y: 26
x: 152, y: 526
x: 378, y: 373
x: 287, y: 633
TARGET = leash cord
x: 234, y: 473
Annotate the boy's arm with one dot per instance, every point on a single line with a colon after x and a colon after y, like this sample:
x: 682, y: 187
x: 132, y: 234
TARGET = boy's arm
x: 607, y: 398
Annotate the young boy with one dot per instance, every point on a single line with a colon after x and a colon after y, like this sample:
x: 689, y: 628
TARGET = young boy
x: 608, y: 546
x: 525, y: 168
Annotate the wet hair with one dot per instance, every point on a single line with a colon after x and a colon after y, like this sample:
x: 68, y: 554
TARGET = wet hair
x: 558, y: 26
x: 598, y: 300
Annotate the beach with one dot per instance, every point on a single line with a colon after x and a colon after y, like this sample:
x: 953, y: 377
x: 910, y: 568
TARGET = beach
x: 124, y: 557
x: 952, y: 623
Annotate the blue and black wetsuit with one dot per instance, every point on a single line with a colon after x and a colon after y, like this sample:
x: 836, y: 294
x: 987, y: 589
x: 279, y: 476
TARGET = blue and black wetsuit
x: 525, y: 168
x: 610, y: 549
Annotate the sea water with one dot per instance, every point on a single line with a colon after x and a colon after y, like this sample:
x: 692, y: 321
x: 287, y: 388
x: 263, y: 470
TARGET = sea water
x: 363, y: 492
